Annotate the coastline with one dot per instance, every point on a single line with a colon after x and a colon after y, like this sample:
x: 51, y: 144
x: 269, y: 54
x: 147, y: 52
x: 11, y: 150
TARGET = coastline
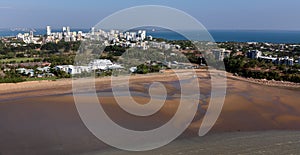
x: 165, y: 76
x: 44, y: 84
x: 271, y: 83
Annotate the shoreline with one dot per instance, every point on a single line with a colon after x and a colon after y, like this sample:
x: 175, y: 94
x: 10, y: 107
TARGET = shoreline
x: 165, y: 76
x: 271, y: 83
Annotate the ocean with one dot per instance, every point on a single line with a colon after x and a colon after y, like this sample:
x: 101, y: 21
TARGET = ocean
x: 269, y: 36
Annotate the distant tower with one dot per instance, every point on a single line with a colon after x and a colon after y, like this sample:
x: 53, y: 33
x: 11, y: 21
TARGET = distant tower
x: 48, y: 30
x: 68, y: 30
x: 31, y: 34
x: 143, y: 35
x: 93, y: 30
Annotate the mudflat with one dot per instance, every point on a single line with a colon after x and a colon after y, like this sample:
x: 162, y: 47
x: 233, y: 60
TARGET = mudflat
x: 41, y: 117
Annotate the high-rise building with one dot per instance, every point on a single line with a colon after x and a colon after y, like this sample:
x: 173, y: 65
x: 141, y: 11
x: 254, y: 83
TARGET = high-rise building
x: 143, y: 35
x: 93, y: 30
x: 48, y: 30
x: 31, y: 34
x: 68, y: 31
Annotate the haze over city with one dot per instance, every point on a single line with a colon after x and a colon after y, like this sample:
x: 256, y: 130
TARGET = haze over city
x: 213, y: 14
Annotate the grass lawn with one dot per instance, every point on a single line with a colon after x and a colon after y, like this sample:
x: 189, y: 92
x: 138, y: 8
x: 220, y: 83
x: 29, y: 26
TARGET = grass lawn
x: 17, y: 60
x: 268, y: 53
x: 40, y: 79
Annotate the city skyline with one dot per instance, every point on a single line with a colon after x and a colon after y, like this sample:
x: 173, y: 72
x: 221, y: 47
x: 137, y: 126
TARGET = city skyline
x: 232, y: 14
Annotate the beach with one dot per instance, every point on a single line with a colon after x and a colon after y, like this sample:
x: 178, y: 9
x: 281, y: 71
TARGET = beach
x: 40, y: 117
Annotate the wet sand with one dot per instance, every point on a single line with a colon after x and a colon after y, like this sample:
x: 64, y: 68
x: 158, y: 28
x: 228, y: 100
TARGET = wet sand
x: 233, y: 143
x: 42, y: 118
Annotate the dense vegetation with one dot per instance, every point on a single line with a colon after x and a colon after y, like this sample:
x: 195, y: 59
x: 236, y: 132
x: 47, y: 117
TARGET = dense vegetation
x: 184, y: 44
x: 11, y: 77
x: 19, y: 49
x: 144, y: 69
x: 260, y: 69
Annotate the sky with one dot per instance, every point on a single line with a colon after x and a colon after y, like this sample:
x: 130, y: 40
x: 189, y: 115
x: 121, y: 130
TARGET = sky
x: 213, y: 14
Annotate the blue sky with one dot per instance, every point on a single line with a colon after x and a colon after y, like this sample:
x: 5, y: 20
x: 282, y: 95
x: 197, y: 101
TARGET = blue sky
x: 213, y: 14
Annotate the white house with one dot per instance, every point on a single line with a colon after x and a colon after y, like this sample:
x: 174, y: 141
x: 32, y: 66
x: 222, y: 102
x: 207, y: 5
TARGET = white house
x: 64, y: 68
x: 103, y: 64
x: 44, y: 69
x: 78, y: 69
x: 28, y: 72
x: 133, y: 69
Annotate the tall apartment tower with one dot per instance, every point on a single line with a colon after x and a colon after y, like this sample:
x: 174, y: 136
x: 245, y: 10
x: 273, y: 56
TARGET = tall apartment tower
x: 143, y: 35
x: 93, y: 30
x: 48, y: 30
x: 68, y: 31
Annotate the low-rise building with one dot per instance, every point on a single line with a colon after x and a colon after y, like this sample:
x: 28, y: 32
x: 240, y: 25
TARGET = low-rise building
x: 254, y: 54
x: 97, y: 64
x: 279, y: 61
x: 286, y: 61
x: 44, y: 69
x: 220, y: 54
x: 27, y: 72
x: 73, y: 70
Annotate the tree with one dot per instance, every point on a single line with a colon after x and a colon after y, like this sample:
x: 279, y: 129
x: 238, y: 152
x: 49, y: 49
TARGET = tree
x: 142, y: 69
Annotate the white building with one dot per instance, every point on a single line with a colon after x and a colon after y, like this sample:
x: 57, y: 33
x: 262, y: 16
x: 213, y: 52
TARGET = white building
x: 273, y: 59
x: 220, y: 54
x: 78, y: 69
x: 142, y: 34
x: 286, y: 61
x: 28, y: 72
x: 31, y: 34
x: 73, y: 70
x: 64, y: 29
x: 44, y: 69
x: 93, y: 30
x: 64, y: 68
x: 103, y: 64
x: 48, y: 30
x: 254, y: 54
x: 68, y: 31
x: 280, y: 61
x: 133, y: 69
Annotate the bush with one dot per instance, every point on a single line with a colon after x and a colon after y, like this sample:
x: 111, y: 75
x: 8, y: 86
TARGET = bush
x: 11, y: 80
x: 144, y: 69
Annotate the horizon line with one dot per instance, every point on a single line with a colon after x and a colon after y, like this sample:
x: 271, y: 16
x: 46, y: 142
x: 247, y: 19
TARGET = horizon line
x: 209, y: 29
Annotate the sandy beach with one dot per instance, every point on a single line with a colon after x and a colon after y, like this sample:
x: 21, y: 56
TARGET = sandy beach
x: 40, y: 117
